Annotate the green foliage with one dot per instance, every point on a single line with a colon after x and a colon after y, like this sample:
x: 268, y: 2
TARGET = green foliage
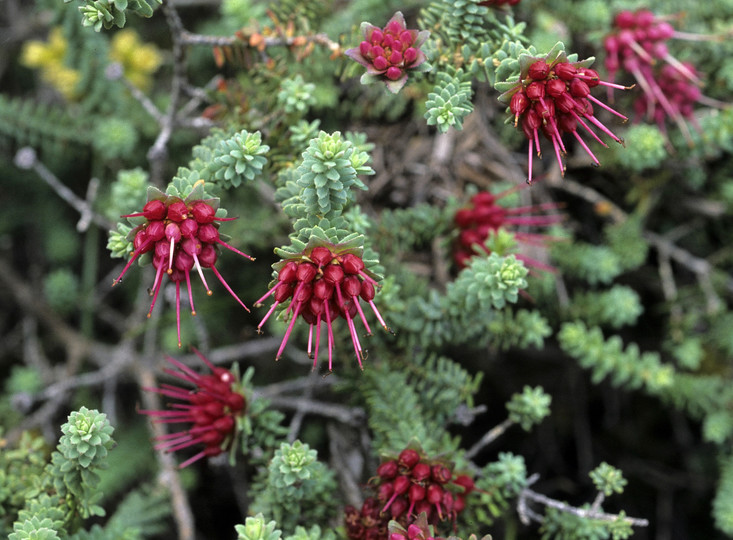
x: 606, y: 358
x: 607, y: 479
x: 618, y: 306
x: 723, y: 503
x: 645, y: 148
x: 87, y: 438
x: 591, y: 263
x: 530, y: 407
x: 110, y: 13
x: 313, y: 533
x: 626, y: 240
x: 127, y: 194
x: 114, y: 137
x: 326, y: 177
x: 46, y: 499
x: 143, y: 513
x: 34, y: 529
x: 40, y: 124
x: 297, y: 488
x: 61, y: 289
x: 397, y: 414
x: 499, y: 482
x: 255, y: 528
x: 443, y: 383
x: 568, y: 526
x: 521, y: 328
x: 295, y: 95
x: 490, y: 281
x: 450, y: 101
x: 234, y: 158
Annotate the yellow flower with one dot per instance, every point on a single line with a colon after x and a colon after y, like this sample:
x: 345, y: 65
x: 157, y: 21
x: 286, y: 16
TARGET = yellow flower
x: 139, y: 60
x: 49, y: 56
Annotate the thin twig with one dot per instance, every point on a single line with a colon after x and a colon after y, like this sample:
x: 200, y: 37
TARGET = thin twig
x: 489, y: 437
x: 353, y: 416
x: 190, y: 38
x: 698, y: 265
x: 584, y: 513
x: 26, y: 158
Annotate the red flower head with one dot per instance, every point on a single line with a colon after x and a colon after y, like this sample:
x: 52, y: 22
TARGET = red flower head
x: 389, y: 53
x: 211, y: 409
x: 180, y: 236
x: 407, y: 486
x: 553, y: 96
x: 323, y: 283
x: 637, y: 41
x: 484, y: 216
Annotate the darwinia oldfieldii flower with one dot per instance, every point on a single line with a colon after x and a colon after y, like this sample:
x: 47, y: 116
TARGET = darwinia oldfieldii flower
x: 636, y: 44
x: 554, y: 97
x: 484, y: 216
x: 181, y: 235
x: 320, y: 285
x: 211, y: 409
x: 405, y: 488
x: 389, y: 53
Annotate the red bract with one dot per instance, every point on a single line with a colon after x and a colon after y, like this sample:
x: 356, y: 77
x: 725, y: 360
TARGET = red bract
x: 406, y: 487
x: 484, y: 216
x: 637, y: 41
x: 211, y: 409
x: 389, y: 53
x: 180, y: 236
x: 322, y: 284
x: 554, y: 98
x: 367, y: 523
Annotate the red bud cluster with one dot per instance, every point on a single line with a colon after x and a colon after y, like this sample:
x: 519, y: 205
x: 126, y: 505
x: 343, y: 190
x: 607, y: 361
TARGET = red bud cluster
x: 180, y: 236
x: 323, y: 285
x: 681, y: 95
x: 390, y: 52
x: 211, y: 408
x: 636, y: 44
x: 405, y: 487
x: 484, y: 216
x: 554, y: 99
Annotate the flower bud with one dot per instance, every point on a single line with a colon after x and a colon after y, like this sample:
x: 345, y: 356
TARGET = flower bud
x: 288, y: 273
x: 408, y: 458
x: 387, y: 470
x: 306, y: 272
x: 539, y: 70
x: 203, y: 212
x: 208, y: 233
x: 321, y: 256
x: 153, y: 210
x: 334, y: 274
x: 177, y: 211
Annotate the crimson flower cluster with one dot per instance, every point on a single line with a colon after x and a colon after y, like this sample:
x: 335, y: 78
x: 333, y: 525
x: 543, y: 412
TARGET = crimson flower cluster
x: 406, y: 487
x: 681, y: 95
x: 413, y: 532
x: 485, y: 216
x: 180, y: 236
x: 211, y: 409
x: 320, y: 285
x: 636, y: 43
x: 389, y: 53
x: 555, y: 98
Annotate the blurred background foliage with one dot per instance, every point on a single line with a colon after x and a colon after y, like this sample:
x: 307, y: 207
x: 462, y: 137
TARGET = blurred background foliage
x: 624, y: 321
